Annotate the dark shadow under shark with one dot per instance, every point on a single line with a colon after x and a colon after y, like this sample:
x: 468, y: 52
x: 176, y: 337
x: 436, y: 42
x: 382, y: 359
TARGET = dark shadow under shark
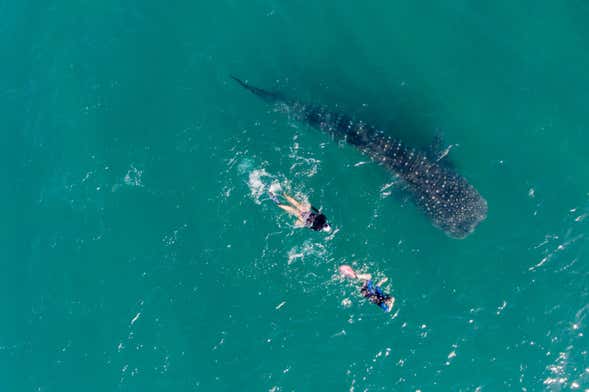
x: 446, y: 197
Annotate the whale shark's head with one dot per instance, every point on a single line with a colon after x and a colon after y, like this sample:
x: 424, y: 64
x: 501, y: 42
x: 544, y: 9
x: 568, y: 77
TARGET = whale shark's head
x: 450, y: 201
x: 475, y: 214
x: 461, y: 218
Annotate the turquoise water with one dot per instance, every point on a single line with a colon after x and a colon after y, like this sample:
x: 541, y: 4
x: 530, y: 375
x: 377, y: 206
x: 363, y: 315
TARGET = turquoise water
x: 137, y: 255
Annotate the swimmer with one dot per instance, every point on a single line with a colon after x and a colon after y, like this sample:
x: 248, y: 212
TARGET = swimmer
x: 369, y: 290
x: 306, y: 214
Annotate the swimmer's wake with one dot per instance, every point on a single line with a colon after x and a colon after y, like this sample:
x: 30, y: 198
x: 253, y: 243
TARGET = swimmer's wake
x: 447, y: 198
x: 306, y: 215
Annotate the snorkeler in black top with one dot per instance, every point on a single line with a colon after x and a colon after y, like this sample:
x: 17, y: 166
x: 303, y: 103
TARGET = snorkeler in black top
x: 306, y: 214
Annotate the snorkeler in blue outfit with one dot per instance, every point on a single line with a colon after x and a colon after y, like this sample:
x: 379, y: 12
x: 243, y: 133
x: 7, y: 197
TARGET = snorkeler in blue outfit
x: 369, y: 290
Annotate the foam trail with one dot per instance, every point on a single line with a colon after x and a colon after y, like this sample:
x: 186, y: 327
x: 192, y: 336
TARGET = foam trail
x: 256, y: 183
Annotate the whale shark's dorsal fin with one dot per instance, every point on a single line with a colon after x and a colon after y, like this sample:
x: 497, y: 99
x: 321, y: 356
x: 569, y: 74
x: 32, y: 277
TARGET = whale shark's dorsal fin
x: 438, y: 150
x: 436, y: 147
x: 267, y: 96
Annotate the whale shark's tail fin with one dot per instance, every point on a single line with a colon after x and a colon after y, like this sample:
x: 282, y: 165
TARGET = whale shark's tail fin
x: 267, y: 96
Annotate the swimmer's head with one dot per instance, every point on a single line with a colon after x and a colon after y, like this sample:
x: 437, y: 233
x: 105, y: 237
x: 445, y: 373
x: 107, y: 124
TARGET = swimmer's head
x: 320, y: 223
x: 390, y: 302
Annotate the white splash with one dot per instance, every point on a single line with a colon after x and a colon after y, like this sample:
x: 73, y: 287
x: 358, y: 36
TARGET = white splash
x: 385, y: 190
x: 307, y: 166
x: 256, y: 183
x: 135, y: 318
x: 307, y: 248
x: 501, y: 307
x: 559, y: 249
x: 294, y: 255
x: 133, y: 177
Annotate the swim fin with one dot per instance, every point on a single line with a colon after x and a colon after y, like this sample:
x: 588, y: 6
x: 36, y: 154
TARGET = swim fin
x: 273, y: 197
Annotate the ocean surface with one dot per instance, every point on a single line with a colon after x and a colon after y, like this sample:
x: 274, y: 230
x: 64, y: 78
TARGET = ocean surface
x: 140, y: 251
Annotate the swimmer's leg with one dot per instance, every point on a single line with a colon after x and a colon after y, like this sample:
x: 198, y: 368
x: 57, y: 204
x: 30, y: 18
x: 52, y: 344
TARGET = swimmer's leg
x: 299, y: 206
x: 364, y: 277
x: 291, y: 210
x: 299, y: 223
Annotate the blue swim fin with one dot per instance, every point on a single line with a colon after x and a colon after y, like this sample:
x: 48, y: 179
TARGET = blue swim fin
x: 273, y: 197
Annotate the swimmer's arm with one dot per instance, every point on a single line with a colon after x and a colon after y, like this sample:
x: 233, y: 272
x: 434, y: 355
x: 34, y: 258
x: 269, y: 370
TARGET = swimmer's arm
x: 382, y: 281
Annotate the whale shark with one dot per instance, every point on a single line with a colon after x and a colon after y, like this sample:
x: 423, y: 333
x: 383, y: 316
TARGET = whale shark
x: 447, y: 198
